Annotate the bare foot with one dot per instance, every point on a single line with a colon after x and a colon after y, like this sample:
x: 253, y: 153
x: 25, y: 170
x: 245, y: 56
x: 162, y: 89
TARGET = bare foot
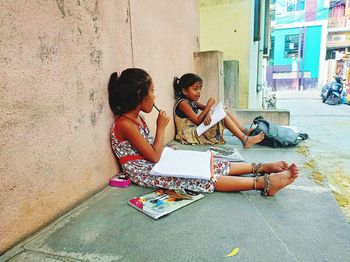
x: 274, y: 167
x: 282, y: 179
x: 252, y: 140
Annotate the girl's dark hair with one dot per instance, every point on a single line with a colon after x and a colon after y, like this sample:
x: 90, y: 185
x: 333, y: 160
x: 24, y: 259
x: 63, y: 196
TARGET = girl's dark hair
x: 184, y: 82
x: 128, y: 90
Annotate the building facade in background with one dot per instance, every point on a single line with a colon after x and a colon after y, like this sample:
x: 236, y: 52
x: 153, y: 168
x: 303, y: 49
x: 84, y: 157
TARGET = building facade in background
x: 240, y: 30
x: 338, y: 41
x: 298, y: 37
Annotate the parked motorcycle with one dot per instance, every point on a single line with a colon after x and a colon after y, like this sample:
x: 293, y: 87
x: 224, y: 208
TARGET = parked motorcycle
x: 332, y: 93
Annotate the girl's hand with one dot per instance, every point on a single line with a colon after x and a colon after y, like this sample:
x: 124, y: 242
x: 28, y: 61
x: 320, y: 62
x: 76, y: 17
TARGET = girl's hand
x: 211, y: 102
x: 207, y: 119
x: 163, y: 119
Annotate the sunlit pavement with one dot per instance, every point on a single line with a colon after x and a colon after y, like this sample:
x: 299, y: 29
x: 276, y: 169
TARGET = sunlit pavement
x: 329, y: 144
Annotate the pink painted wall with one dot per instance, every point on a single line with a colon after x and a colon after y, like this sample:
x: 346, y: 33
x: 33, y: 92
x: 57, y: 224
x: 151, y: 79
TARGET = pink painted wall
x: 56, y: 58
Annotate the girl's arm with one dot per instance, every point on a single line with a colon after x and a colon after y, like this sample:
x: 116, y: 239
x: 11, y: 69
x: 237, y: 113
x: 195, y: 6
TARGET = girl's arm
x: 128, y: 130
x: 162, y: 122
x: 187, y: 110
x: 202, y: 106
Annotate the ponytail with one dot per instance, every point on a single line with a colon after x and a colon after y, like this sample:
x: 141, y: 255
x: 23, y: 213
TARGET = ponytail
x: 113, y: 93
x: 177, y: 88
x: 128, y: 90
x: 184, y: 82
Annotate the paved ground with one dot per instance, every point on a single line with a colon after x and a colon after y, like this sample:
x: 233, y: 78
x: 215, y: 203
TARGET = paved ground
x: 301, y: 223
x: 329, y: 146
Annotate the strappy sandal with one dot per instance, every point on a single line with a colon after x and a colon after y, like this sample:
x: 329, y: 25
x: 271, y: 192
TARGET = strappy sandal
x: 244, y: 140
x: 265, y: 191
x: 257, y: 172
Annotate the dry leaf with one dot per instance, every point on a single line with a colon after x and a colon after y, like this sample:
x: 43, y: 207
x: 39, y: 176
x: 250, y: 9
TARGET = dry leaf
x: 233, y: 252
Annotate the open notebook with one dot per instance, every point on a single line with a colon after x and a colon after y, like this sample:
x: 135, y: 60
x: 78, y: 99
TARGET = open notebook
x: 218, y: 115
x: 226, y: 154
x: 184, y: 163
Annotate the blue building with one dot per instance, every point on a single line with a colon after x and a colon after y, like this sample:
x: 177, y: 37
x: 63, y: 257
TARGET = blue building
x: 298, y: 40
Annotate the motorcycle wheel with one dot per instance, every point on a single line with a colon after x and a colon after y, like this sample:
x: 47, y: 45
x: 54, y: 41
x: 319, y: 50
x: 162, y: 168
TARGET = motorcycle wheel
x: 333, y: 100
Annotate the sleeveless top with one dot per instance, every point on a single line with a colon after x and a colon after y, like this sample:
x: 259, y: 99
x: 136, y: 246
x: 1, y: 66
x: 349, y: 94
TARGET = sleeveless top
x: 186, y: 130
x: 137, y: 168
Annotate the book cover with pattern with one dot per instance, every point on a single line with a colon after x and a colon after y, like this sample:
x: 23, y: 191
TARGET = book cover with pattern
x: 164, y: 201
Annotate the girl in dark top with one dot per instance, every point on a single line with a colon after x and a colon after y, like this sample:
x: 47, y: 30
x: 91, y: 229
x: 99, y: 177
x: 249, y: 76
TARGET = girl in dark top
x: 187, y: 90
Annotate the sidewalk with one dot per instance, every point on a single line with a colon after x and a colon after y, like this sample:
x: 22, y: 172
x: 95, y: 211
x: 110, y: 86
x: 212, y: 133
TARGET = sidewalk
x: 301, y: 223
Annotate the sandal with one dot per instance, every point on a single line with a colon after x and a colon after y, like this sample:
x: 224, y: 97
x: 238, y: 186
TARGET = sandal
x: 244, y: 140
x: 265, y: 191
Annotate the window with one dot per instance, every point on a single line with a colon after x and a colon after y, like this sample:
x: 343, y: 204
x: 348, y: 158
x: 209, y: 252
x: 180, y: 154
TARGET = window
x: 267, y: 24
x: 272, y: 15
x: 291, y: 46
x: 295, y: 5
x: 272, y: 50
x: 257, y: 7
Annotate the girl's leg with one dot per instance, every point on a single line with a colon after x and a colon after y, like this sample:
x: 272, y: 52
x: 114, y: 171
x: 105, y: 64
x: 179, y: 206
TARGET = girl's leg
x: 237, y: 169
x: 244, y: 130
x: 235, y: 121
x: 277, y: 182
x: 247, y: 141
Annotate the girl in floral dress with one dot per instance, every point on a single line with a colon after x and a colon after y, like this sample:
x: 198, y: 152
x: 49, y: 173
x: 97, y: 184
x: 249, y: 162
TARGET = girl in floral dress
x: 137, y: 150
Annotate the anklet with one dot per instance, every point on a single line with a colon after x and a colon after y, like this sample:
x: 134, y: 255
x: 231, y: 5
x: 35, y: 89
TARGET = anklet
x: 253, y: 168
x: 259, y: 169
x: 267, y: 185
x: 256, y: 169
x: 245, y: 140
x: 255, y: 181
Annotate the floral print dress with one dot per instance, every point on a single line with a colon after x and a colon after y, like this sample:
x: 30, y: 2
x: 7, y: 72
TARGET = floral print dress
x: 137, y: 168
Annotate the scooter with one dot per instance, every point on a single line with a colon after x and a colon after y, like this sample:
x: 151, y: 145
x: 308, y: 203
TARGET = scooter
x: 332, y: 93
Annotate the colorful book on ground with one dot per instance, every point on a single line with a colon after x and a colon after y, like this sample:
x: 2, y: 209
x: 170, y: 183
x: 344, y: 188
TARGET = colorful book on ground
x: 226, y: 154
x: 163, y: 201
x: 218, y: 114
x: 184, y: 164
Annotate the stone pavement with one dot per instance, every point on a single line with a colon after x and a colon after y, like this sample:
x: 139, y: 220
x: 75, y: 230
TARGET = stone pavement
x: 301, y: 223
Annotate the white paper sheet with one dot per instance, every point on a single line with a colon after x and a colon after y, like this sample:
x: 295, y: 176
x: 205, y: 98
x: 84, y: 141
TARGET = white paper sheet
x: 183, y: 163
x: 218, y: 114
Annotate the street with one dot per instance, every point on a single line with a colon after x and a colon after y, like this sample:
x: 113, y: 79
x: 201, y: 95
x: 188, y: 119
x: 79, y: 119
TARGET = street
x: 329, y: 144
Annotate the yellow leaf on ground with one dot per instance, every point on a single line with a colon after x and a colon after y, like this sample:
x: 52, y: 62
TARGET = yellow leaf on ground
x: 233, y: 252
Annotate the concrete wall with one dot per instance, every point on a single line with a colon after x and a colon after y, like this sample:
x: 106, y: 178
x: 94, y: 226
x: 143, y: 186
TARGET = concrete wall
x: 209, y: 66
x: 56, y: 58
x: 231, y: 83
x: 225, y: 25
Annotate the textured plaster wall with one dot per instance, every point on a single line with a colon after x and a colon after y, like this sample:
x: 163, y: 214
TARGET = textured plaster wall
x: 209, y: 65
x: 165, y: 35
x: 56, y: 58
x: 225, y: 25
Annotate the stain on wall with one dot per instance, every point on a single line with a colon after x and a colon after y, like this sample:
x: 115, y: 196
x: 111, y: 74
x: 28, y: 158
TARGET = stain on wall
x: 53, y: 120
x: 60, y: 4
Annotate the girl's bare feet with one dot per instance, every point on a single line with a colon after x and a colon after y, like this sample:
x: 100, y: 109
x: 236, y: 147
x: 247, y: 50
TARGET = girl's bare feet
x: 273, y: 167
x: 282, y: 179
x: 248, y: 141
